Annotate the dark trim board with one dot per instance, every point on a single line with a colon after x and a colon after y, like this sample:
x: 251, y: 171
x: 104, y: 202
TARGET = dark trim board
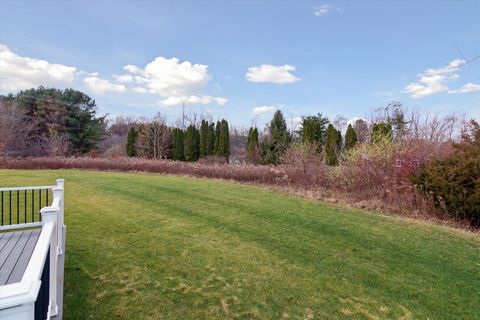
x: 16, y: 248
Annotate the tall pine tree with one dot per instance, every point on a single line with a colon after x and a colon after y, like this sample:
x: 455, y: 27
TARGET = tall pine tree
x: 279, y: 138
x: 350, y: 138
x: 203, y: 139
x: 218, y: 127
x: 331, y: 146
x: 252, y: 145
x: 131, y: 141
x: 224, y: 140
x: 178, y: 145
x: 210, y: 138
x: 339, y: 145
x: 313, y: 130
x: 191, y: 143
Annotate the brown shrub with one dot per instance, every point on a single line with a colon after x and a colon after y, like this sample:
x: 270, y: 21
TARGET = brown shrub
x: 243, y: 173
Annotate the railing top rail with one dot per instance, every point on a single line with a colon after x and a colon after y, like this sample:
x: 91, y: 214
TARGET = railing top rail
x: 28, y: 188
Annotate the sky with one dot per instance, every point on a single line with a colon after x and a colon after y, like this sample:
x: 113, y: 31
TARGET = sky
x: 243, y: 60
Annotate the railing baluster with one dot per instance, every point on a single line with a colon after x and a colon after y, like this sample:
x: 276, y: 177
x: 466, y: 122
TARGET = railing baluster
x: 18, y: 206
x: 39, y: 203
x: 46, y: 204
x: 33, y: 205
x: 25, y: 207
x: 10, y: 207
x: 2, y: 208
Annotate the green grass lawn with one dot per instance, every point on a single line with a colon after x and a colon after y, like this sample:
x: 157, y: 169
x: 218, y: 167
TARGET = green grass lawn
x: 143, y: 246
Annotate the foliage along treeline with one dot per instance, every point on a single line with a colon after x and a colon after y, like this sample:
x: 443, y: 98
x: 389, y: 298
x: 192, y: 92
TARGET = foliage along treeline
x: 155, y: 140
x: 48, y: 121
x: 453, y: 182
x: 316, y: 131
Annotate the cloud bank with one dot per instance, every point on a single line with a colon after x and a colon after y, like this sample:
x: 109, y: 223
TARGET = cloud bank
x: 178, y: 82
x: 175, y: 81
x: 20, y: 73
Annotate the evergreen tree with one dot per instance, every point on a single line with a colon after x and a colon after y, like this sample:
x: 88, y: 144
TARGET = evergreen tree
x: 178, y: 145
x: 313, y: 130
x: 252, y: 144
x: 350, y: 138
x: 266, y: 149
x: 339, y: 144
x: 249, y: 139
x: 279, y: 138
x: 203, y: 139
x: 331, y: 146
x: 131, y: 141
x: 50, y: 113
x: 191, y: 143
x: 210, y: 138
x: 381, y: 131
x: 217, y: 138
x: 224, y: 140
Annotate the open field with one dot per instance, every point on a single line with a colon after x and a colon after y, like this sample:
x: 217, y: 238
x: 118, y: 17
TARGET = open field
x: 143, y: 246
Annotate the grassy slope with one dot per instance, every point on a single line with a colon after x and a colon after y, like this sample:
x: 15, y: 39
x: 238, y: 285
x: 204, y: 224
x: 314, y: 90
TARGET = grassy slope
x: 151, y: 247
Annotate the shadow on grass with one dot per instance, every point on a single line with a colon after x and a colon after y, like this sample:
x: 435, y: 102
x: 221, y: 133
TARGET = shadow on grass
x: 78, y: 284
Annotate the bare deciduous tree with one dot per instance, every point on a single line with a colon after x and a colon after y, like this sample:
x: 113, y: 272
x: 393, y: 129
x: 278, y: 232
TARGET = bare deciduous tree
x: 13, y: 130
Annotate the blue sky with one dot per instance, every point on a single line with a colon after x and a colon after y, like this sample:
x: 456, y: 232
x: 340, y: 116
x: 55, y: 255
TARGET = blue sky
x: 241, y: 60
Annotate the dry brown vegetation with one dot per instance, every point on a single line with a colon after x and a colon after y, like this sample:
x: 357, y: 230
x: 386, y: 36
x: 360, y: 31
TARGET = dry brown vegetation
x: 306, y: 177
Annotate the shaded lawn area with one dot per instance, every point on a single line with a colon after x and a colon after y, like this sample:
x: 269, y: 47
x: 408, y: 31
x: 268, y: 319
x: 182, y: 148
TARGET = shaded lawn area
x: 144, y: 246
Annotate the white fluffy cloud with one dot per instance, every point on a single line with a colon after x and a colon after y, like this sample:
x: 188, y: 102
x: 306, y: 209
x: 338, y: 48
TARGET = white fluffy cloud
x: 124, y: 78
x: 324, y: 9
x: 102, y: 86
x: 263, y: 109
x: 434, y: 81
x: 18, y: 73
x: 272, y: 74
x: 178, y: 82
x: 469, y: 87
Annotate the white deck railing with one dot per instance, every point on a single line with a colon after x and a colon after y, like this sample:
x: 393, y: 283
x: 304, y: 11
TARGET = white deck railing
x: 17, y: 300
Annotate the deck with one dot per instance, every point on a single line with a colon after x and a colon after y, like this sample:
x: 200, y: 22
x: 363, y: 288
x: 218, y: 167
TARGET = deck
x: 32, y: 252
x: 16, y: 248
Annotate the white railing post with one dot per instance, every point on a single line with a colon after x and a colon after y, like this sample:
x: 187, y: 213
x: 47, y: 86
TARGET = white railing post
x: 54, y: 213
x: 61, y: 219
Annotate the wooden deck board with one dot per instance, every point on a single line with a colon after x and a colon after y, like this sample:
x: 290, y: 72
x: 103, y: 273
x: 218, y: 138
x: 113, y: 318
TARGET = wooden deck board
x: 15, y: 254
x: 4, y: 240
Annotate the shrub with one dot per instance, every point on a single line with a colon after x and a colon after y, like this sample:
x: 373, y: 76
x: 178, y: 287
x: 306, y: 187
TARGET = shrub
x: 453, y: 182
x: 381, y: 131
x: 304, y: 165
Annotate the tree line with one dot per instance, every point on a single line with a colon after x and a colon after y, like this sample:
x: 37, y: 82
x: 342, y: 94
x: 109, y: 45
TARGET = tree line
x: 155, y: 140
x: 48, y: 121
x: 316, y: 131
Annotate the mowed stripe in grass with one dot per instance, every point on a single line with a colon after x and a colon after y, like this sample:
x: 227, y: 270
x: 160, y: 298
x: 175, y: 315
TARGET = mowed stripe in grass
x: 150, y: 247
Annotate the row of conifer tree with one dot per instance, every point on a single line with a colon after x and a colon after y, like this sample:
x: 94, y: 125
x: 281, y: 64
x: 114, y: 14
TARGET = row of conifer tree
x: 155, y: 140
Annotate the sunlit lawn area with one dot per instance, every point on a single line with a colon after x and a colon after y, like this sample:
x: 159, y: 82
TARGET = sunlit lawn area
x: 162, y: 247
